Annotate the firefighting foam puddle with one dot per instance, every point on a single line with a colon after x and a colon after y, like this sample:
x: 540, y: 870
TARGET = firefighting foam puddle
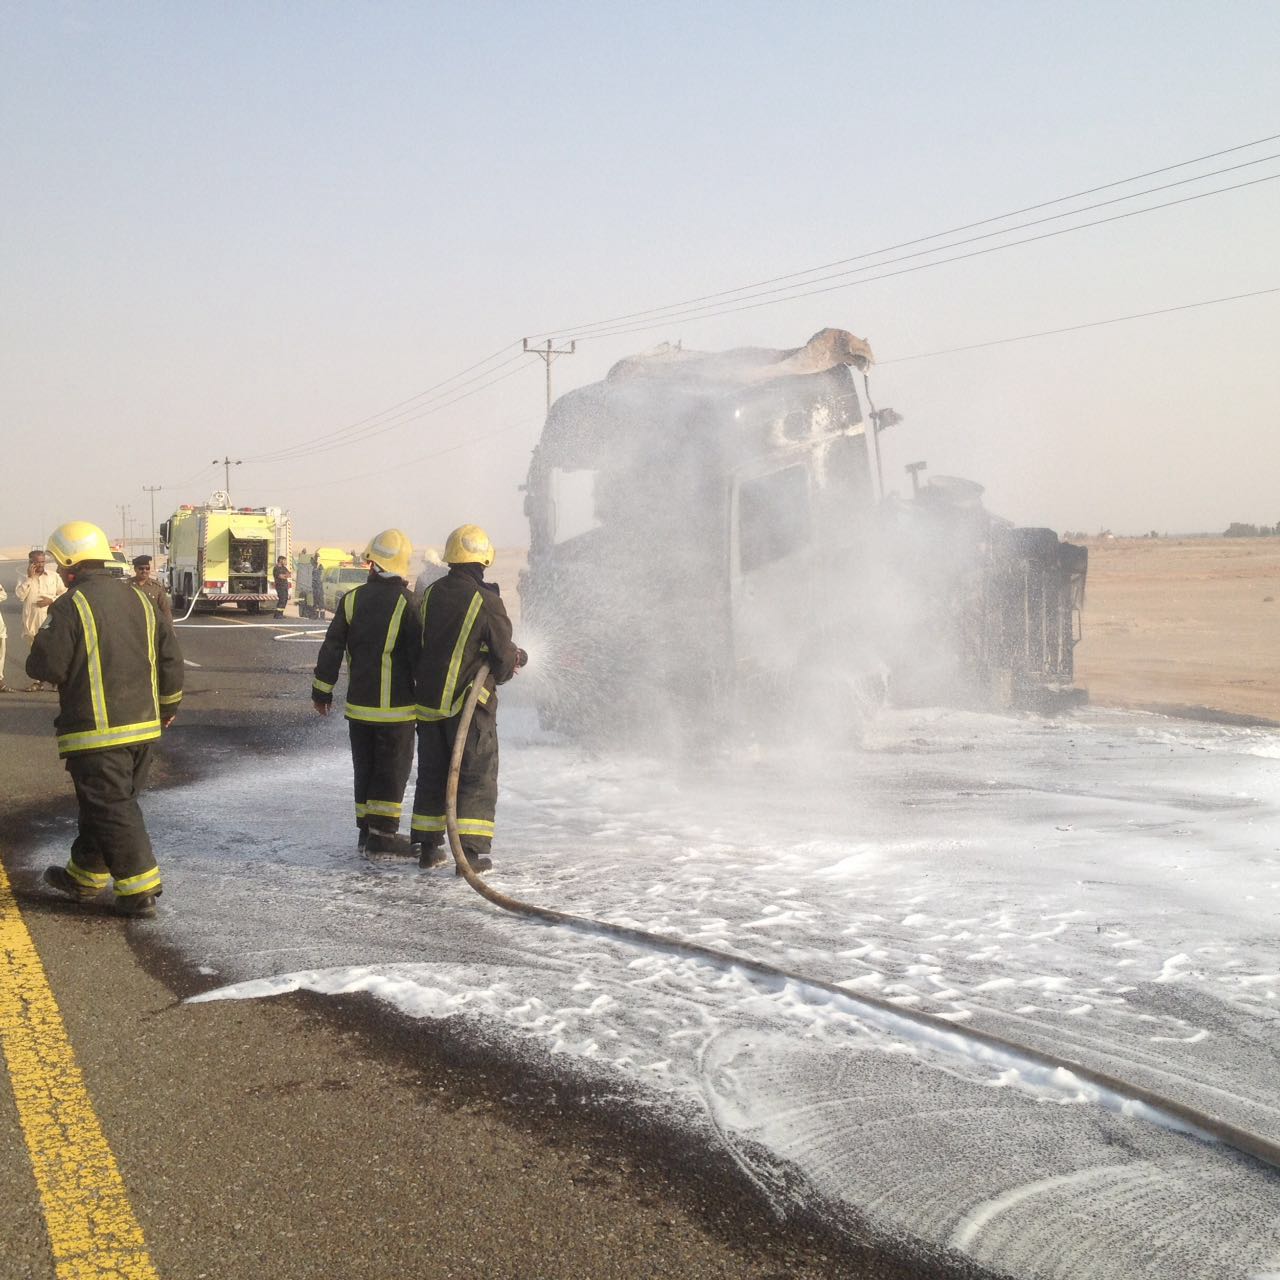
x: 1105, y: 887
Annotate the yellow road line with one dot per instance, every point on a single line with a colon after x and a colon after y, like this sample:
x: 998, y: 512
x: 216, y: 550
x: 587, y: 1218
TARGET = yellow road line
x: 91, y: 1225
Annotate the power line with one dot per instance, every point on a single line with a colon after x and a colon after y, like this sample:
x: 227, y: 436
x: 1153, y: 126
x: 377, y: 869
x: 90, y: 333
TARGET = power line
x: 787, y: 290
x: 959, y: 257
x: 907, y: 244
x: 195, y: 475
x: 441, y: 400
x: 412, y: 462
x: 1075, y: 328
x: 437, y: 395
x: 353, y: 435
x: 401, y: 420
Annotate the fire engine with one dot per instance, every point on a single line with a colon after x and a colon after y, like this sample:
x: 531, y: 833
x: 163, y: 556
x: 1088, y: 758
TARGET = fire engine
x: 220, y: 554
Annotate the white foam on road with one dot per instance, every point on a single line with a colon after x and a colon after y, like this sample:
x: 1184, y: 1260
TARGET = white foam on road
x: 1102, y: 887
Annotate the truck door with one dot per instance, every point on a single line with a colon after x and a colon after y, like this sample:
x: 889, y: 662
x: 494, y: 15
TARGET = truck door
x: 773, y: 569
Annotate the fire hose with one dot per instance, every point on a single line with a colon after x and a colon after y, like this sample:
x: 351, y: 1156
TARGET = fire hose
x: 883, y: 1011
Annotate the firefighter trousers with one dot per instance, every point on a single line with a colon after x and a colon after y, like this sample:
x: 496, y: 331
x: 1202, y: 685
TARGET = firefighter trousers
x: 477, y: 780
x: 113, y: 843
x: 381, y: 757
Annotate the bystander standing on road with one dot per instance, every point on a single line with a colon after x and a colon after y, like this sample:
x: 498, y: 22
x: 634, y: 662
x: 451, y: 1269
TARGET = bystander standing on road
x: 4, y: 643
x: 118, y: 670
x: 281, y: 577
x: 37, y: 591
x: 153, y: 590
x: 317, y: 585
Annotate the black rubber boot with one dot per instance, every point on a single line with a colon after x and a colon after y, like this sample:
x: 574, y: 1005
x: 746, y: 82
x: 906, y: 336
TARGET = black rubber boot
x: 61, y: 879
x: 430, y: 855
x: 137, y: 906
x: 384, y: 842
x: 363, y: 840
x: 477, y: 862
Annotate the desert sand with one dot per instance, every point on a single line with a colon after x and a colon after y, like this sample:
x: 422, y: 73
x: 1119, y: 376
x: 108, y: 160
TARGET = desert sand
x: 1183, y: 623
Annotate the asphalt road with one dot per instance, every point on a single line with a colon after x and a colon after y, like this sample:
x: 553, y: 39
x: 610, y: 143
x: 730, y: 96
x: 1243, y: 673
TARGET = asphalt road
x: 308, y: 1138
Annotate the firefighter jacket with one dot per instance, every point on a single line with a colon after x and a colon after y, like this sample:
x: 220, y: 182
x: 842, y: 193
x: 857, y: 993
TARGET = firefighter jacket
x: 115, y: 660
x: 464, y: 623
x: 376, y: 627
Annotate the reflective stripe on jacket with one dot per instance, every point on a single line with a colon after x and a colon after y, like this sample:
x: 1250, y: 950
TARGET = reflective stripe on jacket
x: 116, y: 663
x: 376, y: 628
x: 463, y: 625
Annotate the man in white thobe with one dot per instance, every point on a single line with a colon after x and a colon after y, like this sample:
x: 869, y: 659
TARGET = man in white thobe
x: 37, y: 591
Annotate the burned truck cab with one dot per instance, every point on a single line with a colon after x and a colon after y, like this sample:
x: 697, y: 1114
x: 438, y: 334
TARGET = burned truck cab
x: 683, y: 515
x: 709, y: 546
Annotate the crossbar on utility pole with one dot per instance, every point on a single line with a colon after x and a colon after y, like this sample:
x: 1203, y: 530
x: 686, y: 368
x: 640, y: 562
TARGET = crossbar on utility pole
x: 547, y: 354
x: 226, y: 464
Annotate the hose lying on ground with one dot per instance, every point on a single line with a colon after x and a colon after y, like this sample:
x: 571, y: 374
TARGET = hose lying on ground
x: 1251, y: 1144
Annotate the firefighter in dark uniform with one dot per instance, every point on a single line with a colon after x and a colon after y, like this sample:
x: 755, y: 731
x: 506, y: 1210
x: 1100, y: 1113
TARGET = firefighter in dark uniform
x: 153, y: 590
x: 377, y: 627
x: 464, y: 624
x: 118, y: 669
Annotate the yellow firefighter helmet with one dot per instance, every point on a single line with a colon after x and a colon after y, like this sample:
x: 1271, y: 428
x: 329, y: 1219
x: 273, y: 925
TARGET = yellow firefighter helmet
x: 391, y: 551
x: 468, y: 544
x: 77, y: 541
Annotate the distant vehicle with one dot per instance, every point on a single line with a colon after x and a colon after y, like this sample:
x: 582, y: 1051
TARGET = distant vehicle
x: 119, y: 564
x: 220, y: 554
x: 303, y: 578
x: 338, y: 580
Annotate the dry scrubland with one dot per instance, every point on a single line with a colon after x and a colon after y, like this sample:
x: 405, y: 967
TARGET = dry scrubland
x: 1187, y: 622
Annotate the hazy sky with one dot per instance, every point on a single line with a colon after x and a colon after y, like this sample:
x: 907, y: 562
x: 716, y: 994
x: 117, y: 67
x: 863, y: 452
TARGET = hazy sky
x: 235, y: 228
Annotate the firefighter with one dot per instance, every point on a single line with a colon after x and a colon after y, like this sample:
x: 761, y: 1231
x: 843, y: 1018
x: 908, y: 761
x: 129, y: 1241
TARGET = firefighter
x: 377, y: 627
x: 118, y: 669
x: 464, y: 624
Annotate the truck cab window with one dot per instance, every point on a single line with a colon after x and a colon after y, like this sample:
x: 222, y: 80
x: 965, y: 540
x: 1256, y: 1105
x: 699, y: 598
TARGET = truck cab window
x: 773, y: 517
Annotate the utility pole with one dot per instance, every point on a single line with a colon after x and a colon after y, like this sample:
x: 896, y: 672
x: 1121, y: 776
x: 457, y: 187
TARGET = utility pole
x: 913, y: 470
x: 547, y: 354
x: 226, y: 464
x: 124, y: 525
x: 153, y: 490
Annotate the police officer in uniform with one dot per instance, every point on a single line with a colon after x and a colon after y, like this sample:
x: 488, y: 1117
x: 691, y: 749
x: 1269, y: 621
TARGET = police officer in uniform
x: 377, y: 627
x: 464, y: 624
x: 153, y: 590
x: 118, y: 669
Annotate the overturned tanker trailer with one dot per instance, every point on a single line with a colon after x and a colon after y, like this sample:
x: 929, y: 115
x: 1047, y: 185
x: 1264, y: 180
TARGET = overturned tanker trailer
x: 710, y: 546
